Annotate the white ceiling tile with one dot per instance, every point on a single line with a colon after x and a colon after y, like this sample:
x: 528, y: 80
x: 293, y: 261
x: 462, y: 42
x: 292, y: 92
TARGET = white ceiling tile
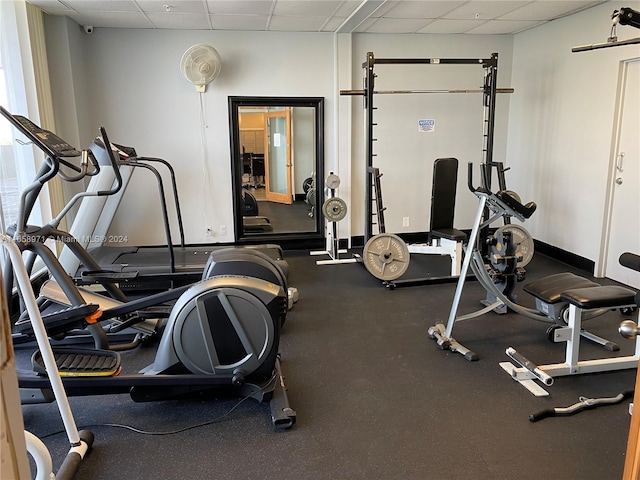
x: 385, y: 8
x: 332, y: 24
x: 50, y: 4
x: 422, y: 9
x: 110, y: 19
x: 397, y: 25
x: 175, y: 6
x: 311, y: 8
x: 239, y: 22
x: 296, y: 24
x: 504, y: 26
x: 484, y: 9
x: 185, y: 21
x: 451, y: 26
x: 241, y: 7
x: 390, y: 16
x: 346, y: 8
x: 545, y: 10
x: 364, y: 26
x: 103, y: 5
x: 53, y: 7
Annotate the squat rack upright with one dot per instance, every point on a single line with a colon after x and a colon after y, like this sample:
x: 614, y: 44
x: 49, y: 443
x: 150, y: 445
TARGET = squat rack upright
x: 488, y: 90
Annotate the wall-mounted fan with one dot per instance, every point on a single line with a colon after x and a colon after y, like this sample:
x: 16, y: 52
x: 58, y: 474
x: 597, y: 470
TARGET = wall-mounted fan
x: 200, y: 65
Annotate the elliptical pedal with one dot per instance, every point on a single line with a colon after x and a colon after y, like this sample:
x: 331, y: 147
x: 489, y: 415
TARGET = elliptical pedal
x: 73, y: 362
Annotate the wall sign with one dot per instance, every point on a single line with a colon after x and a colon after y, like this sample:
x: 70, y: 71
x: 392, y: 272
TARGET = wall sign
x: 427, y: 125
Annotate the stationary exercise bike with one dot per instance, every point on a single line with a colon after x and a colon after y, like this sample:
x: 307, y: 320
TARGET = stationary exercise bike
x: 222, y: 333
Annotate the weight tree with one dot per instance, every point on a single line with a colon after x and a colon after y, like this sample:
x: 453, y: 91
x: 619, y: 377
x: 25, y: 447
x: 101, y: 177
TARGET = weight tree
x: 489, y: 91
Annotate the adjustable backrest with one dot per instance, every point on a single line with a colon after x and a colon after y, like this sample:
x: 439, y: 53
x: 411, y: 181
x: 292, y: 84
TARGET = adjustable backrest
x: 443, y: 199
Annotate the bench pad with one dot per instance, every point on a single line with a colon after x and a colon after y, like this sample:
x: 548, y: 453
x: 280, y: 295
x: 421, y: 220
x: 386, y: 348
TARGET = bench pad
x: 600, y: 297
x: 549, y: 289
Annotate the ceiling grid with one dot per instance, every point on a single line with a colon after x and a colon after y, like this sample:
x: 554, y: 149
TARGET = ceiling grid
x: 363, y: 16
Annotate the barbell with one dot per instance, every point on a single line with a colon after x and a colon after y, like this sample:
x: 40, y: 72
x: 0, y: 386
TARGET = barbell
x: 397, y: 92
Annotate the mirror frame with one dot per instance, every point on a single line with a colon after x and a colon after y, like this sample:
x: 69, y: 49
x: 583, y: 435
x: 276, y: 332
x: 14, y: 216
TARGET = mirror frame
x: 315, y: 237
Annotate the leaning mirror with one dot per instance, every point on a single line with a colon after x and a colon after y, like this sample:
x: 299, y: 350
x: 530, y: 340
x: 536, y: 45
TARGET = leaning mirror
x: 277, y: 158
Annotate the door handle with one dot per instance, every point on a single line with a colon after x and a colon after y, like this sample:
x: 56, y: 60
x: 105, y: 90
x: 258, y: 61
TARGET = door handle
x: 619, y: 160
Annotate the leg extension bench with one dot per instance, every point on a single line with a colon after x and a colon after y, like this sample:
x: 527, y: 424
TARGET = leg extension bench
x: 548, y: 292
x: 581, y: 302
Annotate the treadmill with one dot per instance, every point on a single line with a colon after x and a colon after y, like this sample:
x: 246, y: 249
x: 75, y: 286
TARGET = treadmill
x: 136, y: 268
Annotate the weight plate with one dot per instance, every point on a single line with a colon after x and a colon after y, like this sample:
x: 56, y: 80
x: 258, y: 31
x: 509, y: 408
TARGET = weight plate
x: 333, y: 181
x: 311, y: 197
x: 523, y: 240
x: 386, y: 256
x: 307, y: 184
x: 334, y: 209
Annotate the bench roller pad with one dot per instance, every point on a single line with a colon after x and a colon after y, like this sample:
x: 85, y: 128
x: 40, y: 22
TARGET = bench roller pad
x: 600, y: 297
x: 549, y: 289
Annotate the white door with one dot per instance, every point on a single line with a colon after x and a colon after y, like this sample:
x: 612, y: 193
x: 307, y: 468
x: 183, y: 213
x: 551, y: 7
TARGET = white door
x: 624, y: 229
x: 277, y: 157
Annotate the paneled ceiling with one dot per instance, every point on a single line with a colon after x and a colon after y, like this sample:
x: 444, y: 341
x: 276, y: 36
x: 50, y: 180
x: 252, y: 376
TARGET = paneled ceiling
x: 373, y: 16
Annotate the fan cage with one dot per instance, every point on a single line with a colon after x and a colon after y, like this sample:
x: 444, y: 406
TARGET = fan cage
x: 200, y: 65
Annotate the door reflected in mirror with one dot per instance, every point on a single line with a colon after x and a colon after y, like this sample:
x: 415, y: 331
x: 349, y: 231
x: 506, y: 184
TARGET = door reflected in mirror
x: 277, y: 155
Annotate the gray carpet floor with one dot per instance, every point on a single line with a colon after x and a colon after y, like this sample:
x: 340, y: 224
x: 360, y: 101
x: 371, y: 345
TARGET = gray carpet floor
x: 375, y: 397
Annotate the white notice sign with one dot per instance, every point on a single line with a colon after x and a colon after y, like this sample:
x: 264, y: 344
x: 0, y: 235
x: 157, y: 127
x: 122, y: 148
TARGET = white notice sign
x: 276, y: 139
x: 428, y: 125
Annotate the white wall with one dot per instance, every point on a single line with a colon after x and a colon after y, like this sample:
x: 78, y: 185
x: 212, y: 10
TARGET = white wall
x: 304, y: 145
x: 560, y: 125
x: 69, y: 86
x: 139, y: 95
x: 404, y: 155
x: 554, y: 131
x: 135, y: 89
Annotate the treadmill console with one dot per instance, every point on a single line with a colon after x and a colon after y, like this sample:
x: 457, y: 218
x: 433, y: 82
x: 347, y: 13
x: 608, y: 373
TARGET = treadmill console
x: 51, y: 140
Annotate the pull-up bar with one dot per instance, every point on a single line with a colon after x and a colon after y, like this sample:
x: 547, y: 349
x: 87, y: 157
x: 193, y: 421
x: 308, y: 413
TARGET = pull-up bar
x: 396, y: 92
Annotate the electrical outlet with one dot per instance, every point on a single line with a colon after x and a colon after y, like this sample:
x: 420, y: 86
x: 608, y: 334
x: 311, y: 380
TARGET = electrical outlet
x: 209, y: 231
x: 223, y: 230
x: 405, y: 221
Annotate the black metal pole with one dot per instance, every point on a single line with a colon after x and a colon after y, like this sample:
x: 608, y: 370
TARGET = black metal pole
x: 369, y: 88
x: 492, y: 74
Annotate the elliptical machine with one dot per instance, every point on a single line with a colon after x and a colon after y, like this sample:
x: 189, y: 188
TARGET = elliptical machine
x: 222, y: 333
